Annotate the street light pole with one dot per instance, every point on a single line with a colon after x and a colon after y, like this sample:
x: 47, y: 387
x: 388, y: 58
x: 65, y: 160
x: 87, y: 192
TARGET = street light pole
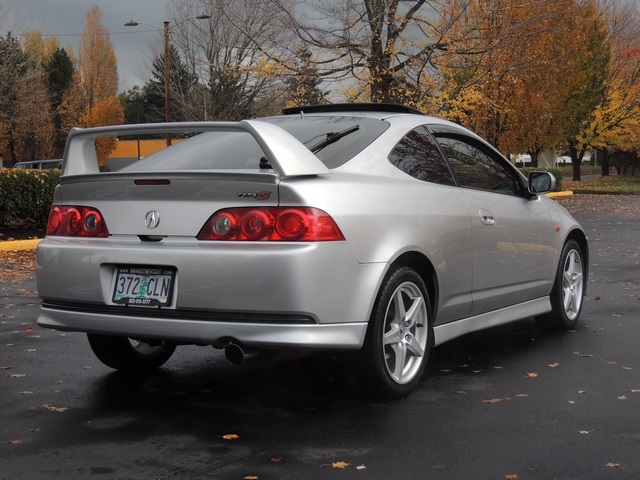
x: 167, y: 81
x: 167, y: 63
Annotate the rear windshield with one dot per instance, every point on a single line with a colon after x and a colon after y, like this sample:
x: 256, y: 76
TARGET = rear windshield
x: 310, y: 131
x: 225, y: 150
x: 238, y: 150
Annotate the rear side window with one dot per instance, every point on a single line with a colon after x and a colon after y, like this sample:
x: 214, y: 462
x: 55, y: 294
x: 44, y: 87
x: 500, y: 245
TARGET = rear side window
x: 417, y: 155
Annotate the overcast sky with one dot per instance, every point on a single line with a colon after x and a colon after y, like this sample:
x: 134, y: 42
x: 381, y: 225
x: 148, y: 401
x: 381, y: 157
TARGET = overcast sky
x: 66, y: 19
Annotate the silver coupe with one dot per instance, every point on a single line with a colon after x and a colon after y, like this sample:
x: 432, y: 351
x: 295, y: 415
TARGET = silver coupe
x: 371, y: 231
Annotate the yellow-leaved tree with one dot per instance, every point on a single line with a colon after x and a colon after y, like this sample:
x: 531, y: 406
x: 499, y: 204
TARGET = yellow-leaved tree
x: 92, y: 100
x: 615, y: 127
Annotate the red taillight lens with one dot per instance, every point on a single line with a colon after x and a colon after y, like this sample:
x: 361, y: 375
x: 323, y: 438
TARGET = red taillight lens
x: 256, y: 225
x: 76, y: 222
x: 300, y: 224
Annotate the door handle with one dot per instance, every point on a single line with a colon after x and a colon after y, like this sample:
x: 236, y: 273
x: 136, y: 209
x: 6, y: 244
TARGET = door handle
x: 486, y: 217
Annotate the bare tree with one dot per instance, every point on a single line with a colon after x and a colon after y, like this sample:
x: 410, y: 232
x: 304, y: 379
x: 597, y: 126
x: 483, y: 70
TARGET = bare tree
x: 223, y: 52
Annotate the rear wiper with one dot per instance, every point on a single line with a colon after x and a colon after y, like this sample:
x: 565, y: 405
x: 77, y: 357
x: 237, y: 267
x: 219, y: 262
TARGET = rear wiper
x: 333, y: 138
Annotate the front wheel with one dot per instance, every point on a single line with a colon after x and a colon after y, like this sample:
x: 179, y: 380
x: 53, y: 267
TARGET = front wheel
x: 568, y: 290
x: 399, y: 337
x: 130, y: 355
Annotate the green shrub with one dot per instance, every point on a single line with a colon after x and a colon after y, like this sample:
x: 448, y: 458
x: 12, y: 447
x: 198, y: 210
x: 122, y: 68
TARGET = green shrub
x: 556, y: 172
x: 26, y: 196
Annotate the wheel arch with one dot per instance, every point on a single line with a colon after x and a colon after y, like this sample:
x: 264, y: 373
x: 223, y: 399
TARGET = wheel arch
x: 581, y: 239
x: 421, y: 264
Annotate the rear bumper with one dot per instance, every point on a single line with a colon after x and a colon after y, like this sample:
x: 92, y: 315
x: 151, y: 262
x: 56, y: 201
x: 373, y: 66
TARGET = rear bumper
x: 259, y: 331
x: 295, y: 295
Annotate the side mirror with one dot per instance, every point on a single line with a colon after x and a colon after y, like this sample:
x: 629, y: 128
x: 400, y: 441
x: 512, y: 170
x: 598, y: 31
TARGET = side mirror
x: 541, y: 182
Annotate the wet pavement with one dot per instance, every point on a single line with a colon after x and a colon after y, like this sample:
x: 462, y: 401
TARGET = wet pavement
x: 511, y: 402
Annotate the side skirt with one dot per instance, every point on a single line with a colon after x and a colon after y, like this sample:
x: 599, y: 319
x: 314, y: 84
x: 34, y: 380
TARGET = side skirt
x: 449, y: 331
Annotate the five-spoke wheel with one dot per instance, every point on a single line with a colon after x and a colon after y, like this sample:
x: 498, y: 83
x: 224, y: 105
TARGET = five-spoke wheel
x: 398, y: 339
x: 568, y: 290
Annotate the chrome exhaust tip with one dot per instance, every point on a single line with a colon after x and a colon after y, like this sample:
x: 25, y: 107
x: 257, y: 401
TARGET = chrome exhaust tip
x: 236, y: 355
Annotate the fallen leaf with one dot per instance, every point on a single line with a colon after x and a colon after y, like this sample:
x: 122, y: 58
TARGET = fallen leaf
x: 582, y: 392
x: 622, y: 397
x: 493, y: 400
x: 531, y: 375
x: 230, y: 436
x: 612, y: 363
x: 251, y: 477
x: 511, y: 476
x: 5, y: 367
x: 18, y: 375
x: 571, y: 402
x: 53, y: 408
x: 585, y: 432
x: 361, y: 467
x: 597, y: 297
x: 612, y: 465
x: 340, y: 465
x: 14, y: 442
x: 30, y: 330
x: 635, y: 390
x: 553, y: 365
x: 276, y: 459
x: 520, y: 395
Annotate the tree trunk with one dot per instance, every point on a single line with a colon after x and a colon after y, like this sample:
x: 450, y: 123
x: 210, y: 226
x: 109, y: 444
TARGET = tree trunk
x: 534, y: 159
x: 603, y: 157
x: 575, y: 161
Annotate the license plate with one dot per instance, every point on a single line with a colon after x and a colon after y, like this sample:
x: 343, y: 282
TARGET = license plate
x: 144, y: 286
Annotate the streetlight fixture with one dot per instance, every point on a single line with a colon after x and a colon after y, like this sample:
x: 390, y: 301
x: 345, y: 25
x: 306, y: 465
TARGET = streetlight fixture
x: 167, y: 64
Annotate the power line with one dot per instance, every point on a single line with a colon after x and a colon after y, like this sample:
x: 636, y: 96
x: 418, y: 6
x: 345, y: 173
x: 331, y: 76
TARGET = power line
x: 126, y: 32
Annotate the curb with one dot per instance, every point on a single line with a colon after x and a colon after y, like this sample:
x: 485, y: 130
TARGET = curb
x: 17, y: 245
x: 566, y: 193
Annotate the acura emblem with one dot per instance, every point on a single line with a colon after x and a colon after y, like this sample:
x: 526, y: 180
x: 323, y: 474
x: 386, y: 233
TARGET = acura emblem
x: 152, y: 219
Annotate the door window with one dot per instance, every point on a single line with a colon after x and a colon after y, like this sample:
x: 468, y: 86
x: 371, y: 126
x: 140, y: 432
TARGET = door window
x: 476, y: 165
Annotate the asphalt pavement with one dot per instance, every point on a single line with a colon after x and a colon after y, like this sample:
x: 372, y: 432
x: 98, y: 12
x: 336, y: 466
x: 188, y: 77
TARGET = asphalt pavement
x: 508, y: 403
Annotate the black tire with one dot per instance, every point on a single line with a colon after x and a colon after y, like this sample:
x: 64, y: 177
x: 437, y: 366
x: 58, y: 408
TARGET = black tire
x: 122, y: 353
x: 399, y: 337
x: 567, y: 294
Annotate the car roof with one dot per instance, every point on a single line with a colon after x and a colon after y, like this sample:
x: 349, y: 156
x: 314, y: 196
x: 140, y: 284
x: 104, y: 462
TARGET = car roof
x: 370, y: 110
x: 352, y: 107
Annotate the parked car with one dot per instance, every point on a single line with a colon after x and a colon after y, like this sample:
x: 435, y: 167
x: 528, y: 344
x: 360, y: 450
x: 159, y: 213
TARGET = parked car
x: 372, y: 231
x: 40, y: 164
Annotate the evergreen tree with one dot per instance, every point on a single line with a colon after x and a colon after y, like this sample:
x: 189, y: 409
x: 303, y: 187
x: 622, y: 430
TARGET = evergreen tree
x: 13, y: 67
x: 59, y: 70
x: 303, y: 86
x: 182, y: 83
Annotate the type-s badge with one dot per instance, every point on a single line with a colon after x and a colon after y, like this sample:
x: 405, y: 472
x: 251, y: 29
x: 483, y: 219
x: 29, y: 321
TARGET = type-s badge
x: 264, y: 195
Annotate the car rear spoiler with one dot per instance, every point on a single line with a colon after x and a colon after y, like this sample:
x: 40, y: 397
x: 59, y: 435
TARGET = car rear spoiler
x: 286, y: 155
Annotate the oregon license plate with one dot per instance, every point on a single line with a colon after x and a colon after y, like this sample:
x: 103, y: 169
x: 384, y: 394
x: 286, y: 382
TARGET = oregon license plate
x: 145, y: 286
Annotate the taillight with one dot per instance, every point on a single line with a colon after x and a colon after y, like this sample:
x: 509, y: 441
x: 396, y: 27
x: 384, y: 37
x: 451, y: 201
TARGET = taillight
x: 292, y: 224
x: 76, y: 222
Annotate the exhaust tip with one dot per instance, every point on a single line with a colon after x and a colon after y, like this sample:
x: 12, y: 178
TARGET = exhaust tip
x: 234, y: 354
